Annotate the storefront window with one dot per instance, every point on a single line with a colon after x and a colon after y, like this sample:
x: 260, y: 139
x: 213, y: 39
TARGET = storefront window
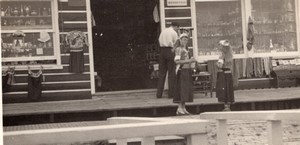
x: 275, y: 26
x: 217, y: 21
x: 27, y: 31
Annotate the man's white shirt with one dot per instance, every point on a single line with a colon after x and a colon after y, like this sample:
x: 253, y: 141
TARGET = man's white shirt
x: 168, y: 37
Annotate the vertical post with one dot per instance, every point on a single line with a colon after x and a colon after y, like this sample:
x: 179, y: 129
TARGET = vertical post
x: 148, y: 141
x: 51, y: 118
x: 90, y: 39
x: 246, y: 12
x: 121, y: 141
x: 197, y: 109
x: 154, y: 111
x: 222, y: 132
x: 197, y: 139
x: 274, y: 132
x: 253, y: 106
x: 194, y: 32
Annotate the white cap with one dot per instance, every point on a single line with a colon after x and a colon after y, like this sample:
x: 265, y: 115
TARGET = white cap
x: 224, y: 42
x: 183, y: 35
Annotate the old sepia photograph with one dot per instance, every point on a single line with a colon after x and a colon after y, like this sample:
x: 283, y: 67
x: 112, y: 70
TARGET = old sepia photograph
x: 150, y: 72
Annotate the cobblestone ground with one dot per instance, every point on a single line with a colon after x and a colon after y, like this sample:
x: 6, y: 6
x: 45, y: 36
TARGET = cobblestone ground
x: 254, y: 133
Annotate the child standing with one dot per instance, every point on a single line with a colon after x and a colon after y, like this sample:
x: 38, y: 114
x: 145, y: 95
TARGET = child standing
x: 224, y: 86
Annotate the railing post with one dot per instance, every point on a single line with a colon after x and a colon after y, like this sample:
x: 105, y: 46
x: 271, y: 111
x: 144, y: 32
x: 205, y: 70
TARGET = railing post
x: 274, y: 132
x: 197, y: 139
x: 121, y: 141
x: 148, y: 141
x: 222, y: 132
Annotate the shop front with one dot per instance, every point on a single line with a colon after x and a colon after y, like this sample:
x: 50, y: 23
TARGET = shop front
x: 46, y: 50
x: 264, y: 35
x: 118, y: 42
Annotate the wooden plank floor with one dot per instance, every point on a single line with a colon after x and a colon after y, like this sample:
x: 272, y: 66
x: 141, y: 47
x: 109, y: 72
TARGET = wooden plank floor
x: 140, y: 100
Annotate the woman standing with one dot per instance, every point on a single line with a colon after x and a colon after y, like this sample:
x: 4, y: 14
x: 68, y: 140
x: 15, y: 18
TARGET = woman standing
x: 184, y: 82
x: 224, y: 86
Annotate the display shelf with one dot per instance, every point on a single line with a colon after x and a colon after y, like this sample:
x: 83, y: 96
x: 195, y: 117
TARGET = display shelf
x: 274, y: 11
x: 24, y: 17
x: 36, y: 27
x: 218, y: 36
x: 220, y: 25
x: 275, y: 33
x: 273, y: 23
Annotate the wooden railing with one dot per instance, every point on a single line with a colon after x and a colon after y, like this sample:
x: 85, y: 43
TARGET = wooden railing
x: 273, y: 118
x: 120, y: 128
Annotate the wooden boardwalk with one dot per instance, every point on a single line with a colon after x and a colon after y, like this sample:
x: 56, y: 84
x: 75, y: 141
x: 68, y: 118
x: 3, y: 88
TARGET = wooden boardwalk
x: 140, y: 101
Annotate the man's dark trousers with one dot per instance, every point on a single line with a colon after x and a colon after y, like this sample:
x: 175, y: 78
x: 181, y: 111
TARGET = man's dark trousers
x: 166, y: 64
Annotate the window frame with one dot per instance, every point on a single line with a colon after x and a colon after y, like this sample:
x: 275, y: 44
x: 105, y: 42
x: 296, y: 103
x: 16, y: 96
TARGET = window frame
x: 246, y: 13
x: 56, y: 42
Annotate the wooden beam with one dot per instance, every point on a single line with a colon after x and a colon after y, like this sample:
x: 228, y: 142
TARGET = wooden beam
x: 222, y: 138
x: 91, y: 133
x: 148, y: 141
x: 197, y: 139
x: 274, y: 132
x: 254, y: 115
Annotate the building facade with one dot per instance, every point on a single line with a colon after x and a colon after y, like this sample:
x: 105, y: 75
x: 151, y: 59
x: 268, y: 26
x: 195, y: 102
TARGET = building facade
x: 264, y: 35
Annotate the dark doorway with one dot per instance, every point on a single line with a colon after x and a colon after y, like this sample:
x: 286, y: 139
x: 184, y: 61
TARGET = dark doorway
x: 124, y: 36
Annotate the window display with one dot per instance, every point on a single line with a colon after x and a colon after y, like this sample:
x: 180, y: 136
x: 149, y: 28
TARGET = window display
x: 217, y: 21
x: 29, y: 45
x: 31, y: 15
x: 275, y: 26
x: 27, y: 31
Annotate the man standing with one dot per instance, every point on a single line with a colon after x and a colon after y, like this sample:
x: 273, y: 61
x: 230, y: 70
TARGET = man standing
x: 167, y: 39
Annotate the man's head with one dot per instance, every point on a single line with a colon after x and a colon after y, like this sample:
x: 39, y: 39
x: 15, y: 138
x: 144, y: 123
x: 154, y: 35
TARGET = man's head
x: 175, y: 26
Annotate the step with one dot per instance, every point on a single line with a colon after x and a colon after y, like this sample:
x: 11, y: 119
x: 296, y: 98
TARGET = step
x: 55, y: 77
x: 21, y: 87
x: 48, y: 95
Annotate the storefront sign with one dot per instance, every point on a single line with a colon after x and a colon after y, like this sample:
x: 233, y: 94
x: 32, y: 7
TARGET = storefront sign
x: 176, y: 2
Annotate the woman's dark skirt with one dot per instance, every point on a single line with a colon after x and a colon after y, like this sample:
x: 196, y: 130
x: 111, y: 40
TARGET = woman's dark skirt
x: 76, y: 61
x: 184, y: 86
x: 224, y: 87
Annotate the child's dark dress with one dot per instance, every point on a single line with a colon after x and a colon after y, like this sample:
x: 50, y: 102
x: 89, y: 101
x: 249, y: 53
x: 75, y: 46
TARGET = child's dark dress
x: 184, y: 82
x: 224, y: 86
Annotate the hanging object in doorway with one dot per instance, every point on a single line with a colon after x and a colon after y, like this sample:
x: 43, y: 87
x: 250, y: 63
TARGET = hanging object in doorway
x: 155, y: 14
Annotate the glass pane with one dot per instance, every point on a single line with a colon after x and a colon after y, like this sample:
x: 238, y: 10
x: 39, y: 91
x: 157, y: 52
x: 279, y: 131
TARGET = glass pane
x: 31, y: 63
x: 275, y: 26
x: 26, y: 15
x: 30, y: 45
x: 217, y: 21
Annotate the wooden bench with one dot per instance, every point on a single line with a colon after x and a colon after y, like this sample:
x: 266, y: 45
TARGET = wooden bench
x: 273, y: 118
